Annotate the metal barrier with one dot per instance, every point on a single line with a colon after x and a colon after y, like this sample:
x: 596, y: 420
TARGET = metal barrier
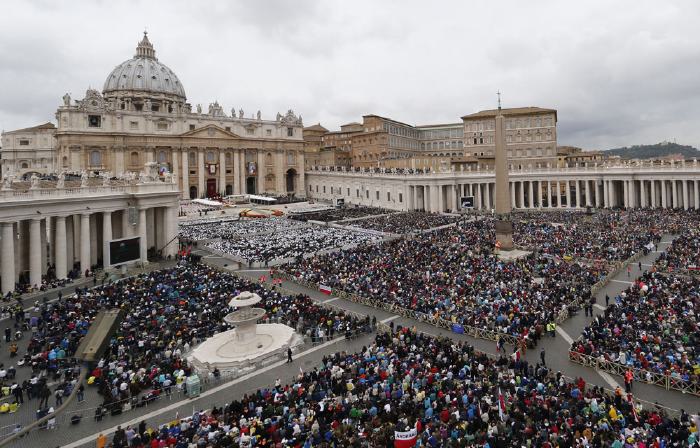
x: 640, y: 375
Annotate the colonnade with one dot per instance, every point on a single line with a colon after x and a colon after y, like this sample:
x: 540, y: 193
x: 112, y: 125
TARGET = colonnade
x: 65, y: 242
x: 561, y: 193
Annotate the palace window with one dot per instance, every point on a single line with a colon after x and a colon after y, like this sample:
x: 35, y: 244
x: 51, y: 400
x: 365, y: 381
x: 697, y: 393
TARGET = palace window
x: 191, y: 127
x: 24, y: 143
x: 290, y: 132
x: 162, y: 157
x: 228, y: 128
x: 134, y: 124
x: 268, y: 132
x: 400, y: 197
x: 162, y: 126
x: 95, y: 158
x: 94, y: 121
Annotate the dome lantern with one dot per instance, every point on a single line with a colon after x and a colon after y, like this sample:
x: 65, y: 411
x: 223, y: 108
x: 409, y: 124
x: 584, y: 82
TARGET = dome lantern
x: 145, y: 48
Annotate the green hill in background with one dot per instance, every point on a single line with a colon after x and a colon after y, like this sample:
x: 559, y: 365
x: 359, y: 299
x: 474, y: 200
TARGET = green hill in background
x: 654, y: 151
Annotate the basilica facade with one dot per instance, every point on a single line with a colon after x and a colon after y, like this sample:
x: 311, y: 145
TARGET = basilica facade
x: 142, y: 116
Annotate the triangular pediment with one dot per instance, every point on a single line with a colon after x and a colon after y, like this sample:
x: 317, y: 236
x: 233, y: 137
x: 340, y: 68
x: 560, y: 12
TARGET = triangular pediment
x: 210, y: 131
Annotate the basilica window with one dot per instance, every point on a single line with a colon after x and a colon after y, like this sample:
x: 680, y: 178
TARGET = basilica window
x: 268, y: 132
x: 191, y: 127
x: 162, y: 157
x: 134, y: 158
x: 24, y: 143
x: 192, y: 158
x: 95, y: 158
x: 134, y: 124
x: 290, y: 132
x: 94, y: 121
x: 268, y: 159
x: 162, y: 126
x: 291, y: 158
x: 211, y: 157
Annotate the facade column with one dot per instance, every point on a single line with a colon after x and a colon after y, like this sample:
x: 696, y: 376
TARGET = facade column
x: 43, y: 232
x: 175, y: 172
x: 262, y: 172
x: 696, y: 188
x: 35, y: 252
x: 201, y: 188
x: 587, y: 189
x: 674, y: 194
x: 653, y: 193
x: 70, y: 252
x: 301, y: 187
x: 557, y: 193
x: 185, y: 174
x: 489, y: 205
x: 642, y: 194
x: 549, y: 194
x: 625, y: 193
x: 664, y: 195
x: 280, y: 184
x: 7, y: 275
x: 94, y: 240
x: 530, y: 194
x: 60, y: 248
x: 84, y: 243
x: 170, y: 246
x: 539, y: 194
x: 685, y: 194
x: 476, y: 189
x: 106, y: 237
x: 222, y: 173
x: 243, y: 171
x: 567, y: 188
x: 521, y: 196
x: 606, y: 193
x: 441, y: 198
x: 512, y: 195
x: 236, y: 171
x: 577, y: 187
x: 143, y: 234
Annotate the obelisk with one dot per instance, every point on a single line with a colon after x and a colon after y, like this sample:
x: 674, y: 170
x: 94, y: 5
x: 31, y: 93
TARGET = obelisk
x: 504, y: 225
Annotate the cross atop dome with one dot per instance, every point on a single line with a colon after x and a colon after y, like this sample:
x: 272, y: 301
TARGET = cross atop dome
x: 145, y: 48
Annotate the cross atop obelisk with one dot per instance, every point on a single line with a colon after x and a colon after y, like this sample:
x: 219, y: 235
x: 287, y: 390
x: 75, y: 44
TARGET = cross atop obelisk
x: 504, y: 225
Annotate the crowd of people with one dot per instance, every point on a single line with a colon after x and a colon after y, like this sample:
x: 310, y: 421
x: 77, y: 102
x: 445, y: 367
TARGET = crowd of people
x: 234, y: 228
x: 452, y: 274
x: 652, y: 326
x: 340, y: 214
x: 683, y: 255
x: 451, y: 395
x: 405, y: 222
x: 291, y: 243
x: 166, y: 313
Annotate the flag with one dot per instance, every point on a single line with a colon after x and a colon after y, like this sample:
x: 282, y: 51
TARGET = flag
x: 498, y: 244
x: 501, y: 406
x: 405, y: 439
x: 325, y: 289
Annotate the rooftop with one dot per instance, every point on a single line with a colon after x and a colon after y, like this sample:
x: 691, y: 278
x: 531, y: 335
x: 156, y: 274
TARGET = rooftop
x: 512, y: 111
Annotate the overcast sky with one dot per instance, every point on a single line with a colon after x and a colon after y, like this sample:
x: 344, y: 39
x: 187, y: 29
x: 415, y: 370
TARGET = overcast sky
x: 619, y: 73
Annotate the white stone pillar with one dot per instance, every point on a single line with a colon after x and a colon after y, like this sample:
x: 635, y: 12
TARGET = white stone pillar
x: 652, y: 184
x: 549, y: 194
x: 674, y: 191
x: 557, y: 193
x: 513, y: 205
x: 696, y: 190
x: 521, y: 196
x: 185, y: 174
x: 578, y: 193
x: 70, y: 246
x: 174, y: 154
x: 43, y: 234
x: 94, y: 240
x: 664, y: 194
x: 106, y: 237
x: 489, y: 205
x: 222, y: 173
x: 201, y: 188
x: 35, y: 252
x: 7, y: 274
x: 84, y: 243
x: 143, y: 234
x: 170, y: 222
x: 606, y: 194
x: 587, y: 189
x: 60, y: 244
x: 625, y: 193
x: 539, y: 194
x: 236, y: 171
x: 568, y: 193
x: 642, y: 194
x: 441, y: 198
x: 243, y: 171
x: 530, y: 194
x: 685, y: 194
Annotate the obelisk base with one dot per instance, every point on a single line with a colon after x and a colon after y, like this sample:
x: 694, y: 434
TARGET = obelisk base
x: 504, y: 234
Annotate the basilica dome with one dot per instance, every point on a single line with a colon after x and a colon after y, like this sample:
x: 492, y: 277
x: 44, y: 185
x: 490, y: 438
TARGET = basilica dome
x: 144, y: 74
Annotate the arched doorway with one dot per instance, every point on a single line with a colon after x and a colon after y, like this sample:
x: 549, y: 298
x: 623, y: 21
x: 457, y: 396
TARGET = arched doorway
x: 250, y: 185
x: 291, y: 180
x: 193, y: 192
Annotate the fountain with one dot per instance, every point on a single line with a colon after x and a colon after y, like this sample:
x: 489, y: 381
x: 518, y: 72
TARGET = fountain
x: 249, y: 345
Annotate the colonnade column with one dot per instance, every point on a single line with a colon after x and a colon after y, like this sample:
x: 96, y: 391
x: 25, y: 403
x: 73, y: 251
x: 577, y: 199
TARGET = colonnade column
x: 568, y: 193
x: 587, y: 189
x: 35, y: 252
x: 549, y: 194
x: 488, y: 196
x: 185, y: 175
x: 84, y: 243
x: 7, y: 274
x: 530, y: 194
x: 674, y: 194
x: 606, y: 194
x: 106, y: 237
x: 578, y: 193
x: 236, y: 171
x: 521, y: 195
x: 696, y: 188
x: 539, y: 193
x: 685, y: 194
x: 143, y: 234
x: 60, y: 248
x: 642, y: 194
x: 201, y: 189
x: 512, y: 195
x: 653, y: 193
x: 664, y: 196
x: 222, y: 173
